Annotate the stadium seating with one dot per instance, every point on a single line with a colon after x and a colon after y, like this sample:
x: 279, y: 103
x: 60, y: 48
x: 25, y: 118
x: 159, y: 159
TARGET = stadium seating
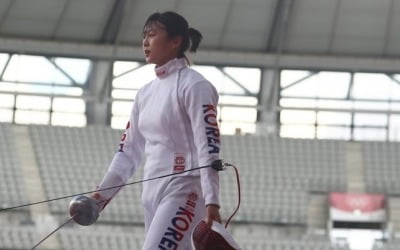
x: 311, y: 165
x: 90, y: 239
x: 381, y: 167
x: 392, y: 245
x: 12, y: 237
x: 77, y: 237
x: 277, y: 178
x: 277, y: 175
x: 284, y: 244
x: 12, y: 187
x: 73, y: 160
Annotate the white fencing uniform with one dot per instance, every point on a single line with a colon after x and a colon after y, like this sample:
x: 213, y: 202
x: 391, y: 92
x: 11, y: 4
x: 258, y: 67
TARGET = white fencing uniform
x: 173, y: 123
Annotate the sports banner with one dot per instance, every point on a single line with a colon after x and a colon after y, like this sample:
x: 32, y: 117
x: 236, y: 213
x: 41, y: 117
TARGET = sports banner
x: 357, y: 207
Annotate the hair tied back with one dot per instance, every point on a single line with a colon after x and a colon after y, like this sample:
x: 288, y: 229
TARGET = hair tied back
x: 195, y: 39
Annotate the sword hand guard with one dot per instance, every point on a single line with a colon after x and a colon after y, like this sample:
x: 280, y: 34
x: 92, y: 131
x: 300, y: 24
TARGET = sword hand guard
x: 84, y: 210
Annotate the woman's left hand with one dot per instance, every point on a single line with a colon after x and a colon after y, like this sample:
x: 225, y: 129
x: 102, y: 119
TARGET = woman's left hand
x: 212, y: 214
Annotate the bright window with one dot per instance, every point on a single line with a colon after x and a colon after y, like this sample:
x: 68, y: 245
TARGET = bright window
x: 31, y: 85
x: 339, y: 105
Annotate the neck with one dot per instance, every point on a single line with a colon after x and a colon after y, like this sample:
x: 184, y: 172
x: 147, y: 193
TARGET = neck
x: 166, y: 60
x: 169, y: 67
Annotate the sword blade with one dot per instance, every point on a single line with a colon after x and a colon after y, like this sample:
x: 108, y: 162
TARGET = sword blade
x: 54, y: 231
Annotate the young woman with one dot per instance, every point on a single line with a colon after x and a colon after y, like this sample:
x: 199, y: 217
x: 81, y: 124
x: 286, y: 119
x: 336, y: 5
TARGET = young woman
x: 173, y: 123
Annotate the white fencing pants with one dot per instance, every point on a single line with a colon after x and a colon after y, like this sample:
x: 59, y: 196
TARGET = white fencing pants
x: 173, y: 207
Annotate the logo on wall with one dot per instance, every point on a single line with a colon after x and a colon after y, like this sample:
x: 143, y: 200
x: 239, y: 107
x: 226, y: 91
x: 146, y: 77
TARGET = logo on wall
x: 358, y: 202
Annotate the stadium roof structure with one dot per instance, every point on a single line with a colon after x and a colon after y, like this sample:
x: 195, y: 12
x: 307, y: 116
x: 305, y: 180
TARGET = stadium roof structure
x: 308, y: 32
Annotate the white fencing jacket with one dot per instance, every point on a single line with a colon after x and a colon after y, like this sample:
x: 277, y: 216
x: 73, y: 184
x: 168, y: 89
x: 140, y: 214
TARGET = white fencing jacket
x: 174, y: 125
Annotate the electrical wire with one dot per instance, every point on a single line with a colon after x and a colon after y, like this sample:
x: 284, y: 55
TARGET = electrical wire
x: 93, y: 191
x: 239, y: 195
x: 218, y: 165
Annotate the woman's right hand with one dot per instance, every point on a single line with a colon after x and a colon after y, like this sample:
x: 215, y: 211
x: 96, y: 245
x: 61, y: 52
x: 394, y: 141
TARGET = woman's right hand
x: 95, y: 196
x: 99, y: 200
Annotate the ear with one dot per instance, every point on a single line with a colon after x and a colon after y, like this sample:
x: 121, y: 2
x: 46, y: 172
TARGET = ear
x: 176, y: 42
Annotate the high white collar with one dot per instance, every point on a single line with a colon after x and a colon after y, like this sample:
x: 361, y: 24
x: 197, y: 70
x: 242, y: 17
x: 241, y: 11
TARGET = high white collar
x: 170, y: 67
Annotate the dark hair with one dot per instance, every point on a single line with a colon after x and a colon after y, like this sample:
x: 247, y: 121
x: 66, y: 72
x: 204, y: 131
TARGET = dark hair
x: 176, y: 25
